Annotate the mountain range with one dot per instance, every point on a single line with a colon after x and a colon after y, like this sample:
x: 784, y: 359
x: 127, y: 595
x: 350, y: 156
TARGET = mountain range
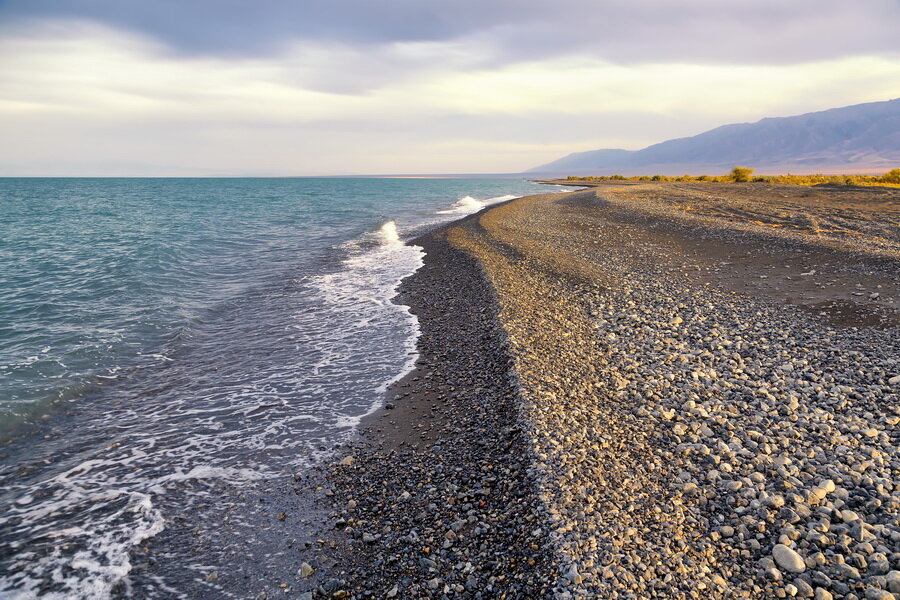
x: 859, y: 138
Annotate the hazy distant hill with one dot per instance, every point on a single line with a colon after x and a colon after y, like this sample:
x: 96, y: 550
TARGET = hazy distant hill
x: 853, y: 138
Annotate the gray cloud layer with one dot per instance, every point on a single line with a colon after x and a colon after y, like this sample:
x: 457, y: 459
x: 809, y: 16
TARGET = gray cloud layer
x: 335, y: 86
x: 625, y: 31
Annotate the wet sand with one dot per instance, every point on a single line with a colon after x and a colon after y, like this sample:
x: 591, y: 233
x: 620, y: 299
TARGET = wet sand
x: 638, y: 391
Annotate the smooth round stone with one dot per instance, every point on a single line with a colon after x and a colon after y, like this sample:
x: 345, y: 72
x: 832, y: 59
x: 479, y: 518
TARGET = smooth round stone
x: 874, y: 593
x: 788, y: 559
x: 823, y: 594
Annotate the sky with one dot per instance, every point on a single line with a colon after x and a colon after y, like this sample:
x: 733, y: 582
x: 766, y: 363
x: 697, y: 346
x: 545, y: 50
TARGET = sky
x: 331, y: 87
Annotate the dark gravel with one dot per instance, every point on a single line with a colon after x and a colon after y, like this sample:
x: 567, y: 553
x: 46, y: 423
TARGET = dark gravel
x: 437, y: 500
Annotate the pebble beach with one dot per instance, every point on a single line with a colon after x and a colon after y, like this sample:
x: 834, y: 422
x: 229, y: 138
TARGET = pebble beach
x: 637, y: 391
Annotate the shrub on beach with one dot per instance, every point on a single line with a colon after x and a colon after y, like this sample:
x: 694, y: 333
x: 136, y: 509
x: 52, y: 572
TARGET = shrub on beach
x: 741, y: 174
x: 892, y: 176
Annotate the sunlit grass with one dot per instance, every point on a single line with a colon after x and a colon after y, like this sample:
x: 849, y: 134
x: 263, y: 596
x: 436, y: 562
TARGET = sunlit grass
x: 744, y: 174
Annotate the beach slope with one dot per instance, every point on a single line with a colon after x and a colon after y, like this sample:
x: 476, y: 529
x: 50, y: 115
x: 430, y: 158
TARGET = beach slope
x: 643, y: 391
x: 709, y: 379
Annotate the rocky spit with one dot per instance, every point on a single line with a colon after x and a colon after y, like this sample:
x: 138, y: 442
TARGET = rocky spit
x: 614, y: 414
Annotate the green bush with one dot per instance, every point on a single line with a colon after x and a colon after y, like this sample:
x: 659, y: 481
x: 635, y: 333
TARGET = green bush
x: 892, y: 176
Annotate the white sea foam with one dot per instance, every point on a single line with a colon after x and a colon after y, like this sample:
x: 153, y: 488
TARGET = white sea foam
x: 465, y: 205
x: 389, y: 235
x: 360, y: 296
x: 93, y: 571
x: 211, y: 472
x: 468, y: 205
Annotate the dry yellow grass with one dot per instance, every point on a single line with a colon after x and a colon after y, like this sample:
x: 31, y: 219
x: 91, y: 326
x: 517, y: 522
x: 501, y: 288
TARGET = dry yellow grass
x: 889, y: 179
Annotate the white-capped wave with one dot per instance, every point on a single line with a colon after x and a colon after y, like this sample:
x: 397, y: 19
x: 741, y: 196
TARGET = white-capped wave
x: 465, y: 205
x: 468, y: 205
x: 389, y: 234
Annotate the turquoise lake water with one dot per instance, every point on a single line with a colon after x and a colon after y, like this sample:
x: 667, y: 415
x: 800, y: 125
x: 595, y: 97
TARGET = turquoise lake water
x: 159, y: 333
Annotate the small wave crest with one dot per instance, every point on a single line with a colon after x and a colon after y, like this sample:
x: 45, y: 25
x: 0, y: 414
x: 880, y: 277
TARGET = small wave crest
x: 389, y: 235
x: 468, y: 205
x: 465, y: 205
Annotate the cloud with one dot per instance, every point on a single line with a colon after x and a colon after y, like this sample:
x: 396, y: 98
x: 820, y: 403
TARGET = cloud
x: 80, y: 98
x: 505, y: 31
